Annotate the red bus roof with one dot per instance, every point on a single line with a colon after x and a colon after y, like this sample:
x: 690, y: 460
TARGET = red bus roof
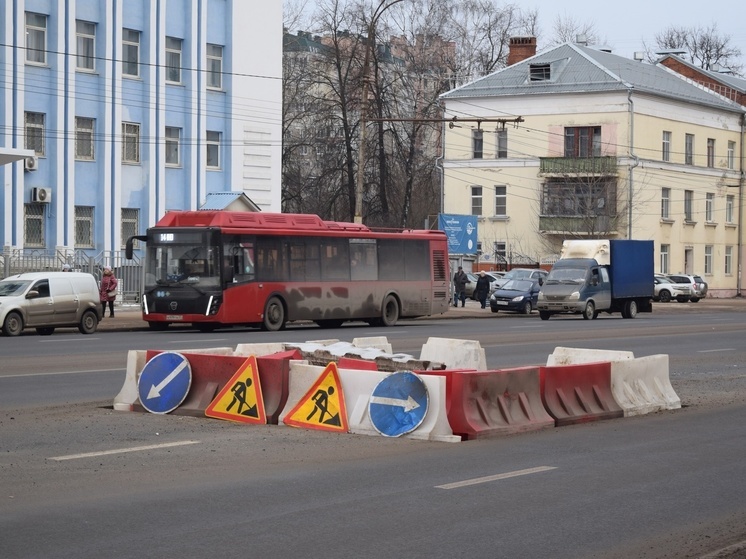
x: 277, y: 222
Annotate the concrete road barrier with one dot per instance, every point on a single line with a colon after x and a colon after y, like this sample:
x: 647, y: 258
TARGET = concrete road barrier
x: 454, y: 353
x: 643, y: 385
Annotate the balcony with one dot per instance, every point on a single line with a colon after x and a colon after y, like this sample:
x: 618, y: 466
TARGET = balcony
x: 577, y: 225
x: 578, y: 166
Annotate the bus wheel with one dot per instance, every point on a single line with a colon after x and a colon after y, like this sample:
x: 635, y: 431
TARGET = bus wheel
x: 274, y: 315
x: 329, y: 323
x: 390, y: 312
x: 157, y: 326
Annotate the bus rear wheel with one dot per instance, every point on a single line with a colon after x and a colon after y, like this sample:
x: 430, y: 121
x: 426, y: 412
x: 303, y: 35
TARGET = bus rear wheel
x: 274, y: 315
x: 390, y: 311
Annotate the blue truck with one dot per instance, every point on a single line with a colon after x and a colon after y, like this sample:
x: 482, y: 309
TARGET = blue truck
x: 595, y: 276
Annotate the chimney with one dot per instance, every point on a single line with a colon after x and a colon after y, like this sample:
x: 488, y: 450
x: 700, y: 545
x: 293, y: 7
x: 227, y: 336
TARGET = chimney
x: 521, y: 48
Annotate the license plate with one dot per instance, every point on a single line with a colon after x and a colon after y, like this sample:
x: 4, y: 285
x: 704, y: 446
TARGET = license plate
x: 174, y: 317
x: 504, y: 303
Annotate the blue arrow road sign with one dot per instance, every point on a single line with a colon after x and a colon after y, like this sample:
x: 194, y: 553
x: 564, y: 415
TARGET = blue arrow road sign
x: 398, y: 404
x: 164, y: 382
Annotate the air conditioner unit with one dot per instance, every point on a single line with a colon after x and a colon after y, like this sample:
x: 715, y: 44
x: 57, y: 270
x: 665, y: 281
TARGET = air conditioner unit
x: 43, y: 195
x: 31, y: 163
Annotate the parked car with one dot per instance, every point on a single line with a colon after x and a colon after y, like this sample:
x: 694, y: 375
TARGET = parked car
x: 696, y: 283
x: 47, y: 300
x: 522, y: 273
x: 517, y: 295
x: 470, y: 287
x: 667, y: 290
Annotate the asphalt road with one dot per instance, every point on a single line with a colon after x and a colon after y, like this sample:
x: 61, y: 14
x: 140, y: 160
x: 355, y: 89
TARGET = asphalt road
x: 75, y: 480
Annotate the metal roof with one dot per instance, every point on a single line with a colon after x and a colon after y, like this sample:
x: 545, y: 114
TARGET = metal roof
x: 577, y: 69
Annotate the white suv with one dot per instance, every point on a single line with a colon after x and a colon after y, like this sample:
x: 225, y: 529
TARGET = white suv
x: 696, y: 283
x: 667, y: 290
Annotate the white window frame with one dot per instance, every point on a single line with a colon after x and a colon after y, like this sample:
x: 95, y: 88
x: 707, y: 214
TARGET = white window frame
x: 85, y: 132
x: 501, y: 143
x: 34, y: 213
x: 212, y: 145
x: 708, y: 259
x: 476, y: 200
x: 730, y: 203
x: 728, y: 268
x: 214, y: 66
x: 84, y: 237
x: 173, y: 146
x: 689, y: 149
x: 665, y: 203
x: 35, y: 132
x: 174, y: 47
x: 665, y: 258
x: 689, y: 205
x: 501, y: 200
x: 477, y: 144
x: 131, y: 138
x: 711, y: 152
x: 666, y: 146
x: 34, y: 30
x: 709, y: 206
x: 85, y: 46
x: 731, y: 155
x: 130, y: 45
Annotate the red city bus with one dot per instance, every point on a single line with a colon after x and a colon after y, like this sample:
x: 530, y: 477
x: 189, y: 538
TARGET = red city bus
x: 220, y: 268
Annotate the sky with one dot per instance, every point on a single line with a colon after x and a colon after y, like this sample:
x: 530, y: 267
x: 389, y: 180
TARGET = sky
x: 627, y: 26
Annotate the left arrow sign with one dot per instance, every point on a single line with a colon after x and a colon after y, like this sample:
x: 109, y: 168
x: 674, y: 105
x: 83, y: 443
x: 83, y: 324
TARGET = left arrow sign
x: 155, y: 391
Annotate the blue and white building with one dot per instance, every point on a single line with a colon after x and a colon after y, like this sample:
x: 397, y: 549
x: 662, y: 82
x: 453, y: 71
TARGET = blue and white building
x: 118, y: 111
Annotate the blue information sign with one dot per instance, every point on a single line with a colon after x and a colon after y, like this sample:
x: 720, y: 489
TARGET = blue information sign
x: 398, y: 404
x: 164, y: 382
x: 461, y: 231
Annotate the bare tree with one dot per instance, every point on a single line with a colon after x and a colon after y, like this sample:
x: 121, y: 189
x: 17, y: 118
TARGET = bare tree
x: 567, y: 29
x: 706, y: 47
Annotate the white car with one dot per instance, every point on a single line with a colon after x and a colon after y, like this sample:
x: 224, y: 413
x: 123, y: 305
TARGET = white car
x: 667, y: 290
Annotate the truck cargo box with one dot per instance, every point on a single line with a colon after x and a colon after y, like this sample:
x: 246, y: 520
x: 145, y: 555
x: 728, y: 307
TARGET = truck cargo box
x: 631, y: 268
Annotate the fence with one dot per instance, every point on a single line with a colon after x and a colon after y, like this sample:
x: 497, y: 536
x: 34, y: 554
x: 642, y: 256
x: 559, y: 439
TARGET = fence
x: 129, y: 273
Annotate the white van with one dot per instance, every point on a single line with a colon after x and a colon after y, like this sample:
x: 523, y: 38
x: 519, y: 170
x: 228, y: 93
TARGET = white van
x: 47, y: 300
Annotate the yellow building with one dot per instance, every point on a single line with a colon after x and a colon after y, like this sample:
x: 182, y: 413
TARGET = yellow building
x: 608, y: 147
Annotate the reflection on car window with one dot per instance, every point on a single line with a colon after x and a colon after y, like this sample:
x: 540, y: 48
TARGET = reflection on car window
x: 10, y: 287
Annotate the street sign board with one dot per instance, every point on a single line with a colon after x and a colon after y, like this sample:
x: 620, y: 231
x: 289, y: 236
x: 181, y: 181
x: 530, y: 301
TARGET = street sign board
x: 164, y: 382
x: 461, y: 231
x: 398, y: 404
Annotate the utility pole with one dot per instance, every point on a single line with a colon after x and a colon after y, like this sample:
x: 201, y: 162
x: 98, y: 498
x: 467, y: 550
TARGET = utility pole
x: 371, y: 42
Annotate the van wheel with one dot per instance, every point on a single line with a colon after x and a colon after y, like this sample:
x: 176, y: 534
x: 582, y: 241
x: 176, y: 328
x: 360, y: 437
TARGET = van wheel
x: 544, y: 315
x: 274, y: 315
x: 390, y: 311
x: 46, y: 331
x: 88, y: 323
x: 13, y: 324
x: 590, y: 312
x: 630, y: 309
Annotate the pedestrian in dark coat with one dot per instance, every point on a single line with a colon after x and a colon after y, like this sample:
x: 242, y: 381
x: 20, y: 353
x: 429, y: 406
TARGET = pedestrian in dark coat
x: 107, y: 291
x: 482, y: 288
x: 459, y: 287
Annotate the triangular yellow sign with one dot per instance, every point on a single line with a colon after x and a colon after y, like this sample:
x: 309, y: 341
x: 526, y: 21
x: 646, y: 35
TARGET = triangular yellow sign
x: 241, y: 397
x: 323, y: 406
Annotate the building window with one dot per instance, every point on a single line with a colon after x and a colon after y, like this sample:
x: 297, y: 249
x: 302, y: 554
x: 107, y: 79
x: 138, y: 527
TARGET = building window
x: 539, y: 72
x: 688, y: 203
x: 584, y: 141
x: 708, y: 259
x: 501, y: 200
x: 729, y: 260
x: 84, y: 130
x: 731, y: 155
x: 500, y: 251
x: 36, y: 38
x: 710, y: 152
x: 130, y: 52
x: 173, y: 143
x: 130, y: 142
x: 84, y: 226
x: 214, y: 66
x: 173, y: 60
x: 213, y: 150
x: 709, y: 206
x: 476, y: 200
x: 666, y: 155
x: 477, y: 144
x: 689, y: 149
x: 86, y: 45
x: 665, y: 203
x: 501, y: 138
x: 729, y: 206
x: 34, y: 225
x: 34, y: 132
x: 130, y: 224
x: 665, y: 249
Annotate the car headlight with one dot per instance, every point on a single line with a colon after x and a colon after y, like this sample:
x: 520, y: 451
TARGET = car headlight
x: 574, y: 296
x: 540, y: 296
x: 517, y: 299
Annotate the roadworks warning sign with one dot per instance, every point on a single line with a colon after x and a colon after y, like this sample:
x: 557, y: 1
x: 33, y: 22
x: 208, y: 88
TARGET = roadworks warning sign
x: 241, y: 397
x: 323, y: 406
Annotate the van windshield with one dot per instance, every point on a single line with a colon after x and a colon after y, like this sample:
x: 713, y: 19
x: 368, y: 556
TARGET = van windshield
x: 9, y: 288
x: 566, y: 275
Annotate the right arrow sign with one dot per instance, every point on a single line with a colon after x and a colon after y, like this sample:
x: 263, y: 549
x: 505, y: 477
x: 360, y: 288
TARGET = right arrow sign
x: 398, y: 404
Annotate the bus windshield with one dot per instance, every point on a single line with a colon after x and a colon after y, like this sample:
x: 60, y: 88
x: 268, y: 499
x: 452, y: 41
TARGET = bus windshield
x: 182, y: 264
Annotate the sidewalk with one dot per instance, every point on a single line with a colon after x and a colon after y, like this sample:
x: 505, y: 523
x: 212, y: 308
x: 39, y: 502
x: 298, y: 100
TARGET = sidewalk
x: 128, y: 318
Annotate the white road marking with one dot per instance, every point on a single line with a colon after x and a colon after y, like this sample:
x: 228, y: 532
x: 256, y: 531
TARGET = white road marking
x: 190, y: 341
x: 716, y: 350
x: 61, y: 341
x: 61, y: 373
x: 487, y: 479
x: 122, y: 450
